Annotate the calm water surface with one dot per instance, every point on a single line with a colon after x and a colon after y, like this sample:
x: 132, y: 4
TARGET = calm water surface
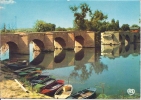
x: 111, y: 71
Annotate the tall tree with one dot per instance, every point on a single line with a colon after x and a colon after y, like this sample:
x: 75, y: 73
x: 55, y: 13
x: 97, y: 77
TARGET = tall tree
x: 80, y: 22
x: 98, y: 21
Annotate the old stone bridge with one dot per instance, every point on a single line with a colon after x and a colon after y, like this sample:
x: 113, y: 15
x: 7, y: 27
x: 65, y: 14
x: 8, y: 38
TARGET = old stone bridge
x: 48, y: 41
x: 113, y: 37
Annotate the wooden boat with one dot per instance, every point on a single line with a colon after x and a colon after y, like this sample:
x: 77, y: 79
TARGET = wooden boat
x: 16, y: 66
x: 50, y: 89
x: 40, y: 79
x: 63, y: 92
x: 88, y: 93
x: 38, y: 85
x: 26, y: 70
x: 24, y: 62
x: 33, y: 74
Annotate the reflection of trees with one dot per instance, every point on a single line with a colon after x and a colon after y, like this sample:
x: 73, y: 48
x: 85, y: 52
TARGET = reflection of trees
x: 99, y: 67
x: 85, y: 72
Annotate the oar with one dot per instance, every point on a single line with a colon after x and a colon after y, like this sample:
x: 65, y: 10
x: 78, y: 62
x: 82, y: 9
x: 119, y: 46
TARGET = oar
x: 21, y: 86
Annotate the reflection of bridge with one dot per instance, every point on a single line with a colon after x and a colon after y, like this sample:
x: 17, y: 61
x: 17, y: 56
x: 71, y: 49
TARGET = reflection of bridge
x: 48, y: 41
x: 110, y: 37
x: 113, y: 51
x: 66, y: 58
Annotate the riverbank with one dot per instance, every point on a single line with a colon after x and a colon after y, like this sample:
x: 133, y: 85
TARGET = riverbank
x: 9, y: 89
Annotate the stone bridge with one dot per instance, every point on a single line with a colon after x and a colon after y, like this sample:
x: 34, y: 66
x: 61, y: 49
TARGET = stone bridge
x: 48, y: 41
x: 113, y: 37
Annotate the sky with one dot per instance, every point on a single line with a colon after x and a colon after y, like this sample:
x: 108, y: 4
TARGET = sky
x: 24, y: 13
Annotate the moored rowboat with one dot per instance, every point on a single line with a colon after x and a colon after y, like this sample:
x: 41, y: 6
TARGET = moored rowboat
x: 63, y: 92
x: 52, y: 88
x: 88, y: 93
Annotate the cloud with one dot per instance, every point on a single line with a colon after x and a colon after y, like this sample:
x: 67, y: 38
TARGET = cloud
x: 7, y: 1
x: 1, y: 7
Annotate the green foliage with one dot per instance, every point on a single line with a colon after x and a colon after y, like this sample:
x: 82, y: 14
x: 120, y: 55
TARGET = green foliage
x: 134, y: 25
x: 125, y: 27
x: 113, y: 26
x: 80, y: 22
x: 60, y: 29
x: 41, y: 26
x: 96, y: 22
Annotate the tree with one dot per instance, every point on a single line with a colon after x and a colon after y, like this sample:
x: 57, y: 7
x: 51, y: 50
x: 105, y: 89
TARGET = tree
x: 60, y: 29
x: 98, y: 21
x: 125, y: 27
x: 80, y: 22
x: 134, y: 25
x: 113, y: 26
x: 41, y: 26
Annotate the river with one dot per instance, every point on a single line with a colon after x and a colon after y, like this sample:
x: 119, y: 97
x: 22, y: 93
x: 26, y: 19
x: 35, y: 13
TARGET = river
x: 112, y: 71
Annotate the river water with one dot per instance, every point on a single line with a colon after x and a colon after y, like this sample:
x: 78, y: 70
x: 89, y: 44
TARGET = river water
x: 111, y: 71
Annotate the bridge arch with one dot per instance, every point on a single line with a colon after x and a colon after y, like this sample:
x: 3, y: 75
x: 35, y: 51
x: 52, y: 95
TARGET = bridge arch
x: 59, y: 43
x: 79, y: 41
x: 135, y: 38
x: 127, y: 39
x: 13, y: 47
x: 38, y: 45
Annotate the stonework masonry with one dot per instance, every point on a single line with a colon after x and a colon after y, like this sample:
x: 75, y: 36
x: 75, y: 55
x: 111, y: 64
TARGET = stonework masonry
x: 48, y: 41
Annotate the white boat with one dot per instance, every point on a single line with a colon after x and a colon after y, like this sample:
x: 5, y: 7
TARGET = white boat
x: 63, y: 92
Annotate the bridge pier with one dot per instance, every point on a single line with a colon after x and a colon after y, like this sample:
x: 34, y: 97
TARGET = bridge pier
x: 23, y: 44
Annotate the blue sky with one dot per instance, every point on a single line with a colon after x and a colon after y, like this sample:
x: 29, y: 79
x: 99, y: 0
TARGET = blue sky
x: 24, y: 13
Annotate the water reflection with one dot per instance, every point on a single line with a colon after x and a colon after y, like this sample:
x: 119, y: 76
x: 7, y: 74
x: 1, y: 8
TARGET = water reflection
x: 99, y: 67
x: 81, y: 72
x: 114, y: 51
x: 92, y: 66
x: 59, y: 55
x: 79, y: 54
